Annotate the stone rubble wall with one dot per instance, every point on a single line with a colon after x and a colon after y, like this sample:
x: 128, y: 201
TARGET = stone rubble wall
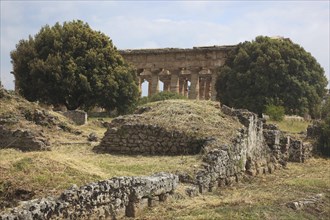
x: 128, y: 138
x: 285, y: 148
x: 258, y: 149
x: 24, y: 140
x: 77, y: 116
x: 248, y: 153
x: 108, y: 199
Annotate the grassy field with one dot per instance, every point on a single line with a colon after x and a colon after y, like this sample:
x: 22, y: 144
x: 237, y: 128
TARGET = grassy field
x: 72, y: 161
x: 262, y: 197
x: 50, y: 172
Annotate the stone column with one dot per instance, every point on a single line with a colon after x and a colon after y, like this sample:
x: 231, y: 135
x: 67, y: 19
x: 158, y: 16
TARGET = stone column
x: 166, y: 85
x: 154, y: 83
x: 207, y: 89
x: 185, y: 88
x: 201, y: 88
x: 140, y: 84
x: 194, y: 86
x: 182, y: 83
x: 175, y: 81
x: 212, y: 87
x: 149, y: 87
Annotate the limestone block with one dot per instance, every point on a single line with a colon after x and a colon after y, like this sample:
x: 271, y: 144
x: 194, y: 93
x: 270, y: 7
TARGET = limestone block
x: 77, y: 116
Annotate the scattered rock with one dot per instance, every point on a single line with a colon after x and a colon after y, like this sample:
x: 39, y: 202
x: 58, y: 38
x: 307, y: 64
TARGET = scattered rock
x: 184, y: 177
x: 41, y: 117
x: 142, y: 110
x: 92, y: 137
x: 192, y: 191
x: 303, y: 203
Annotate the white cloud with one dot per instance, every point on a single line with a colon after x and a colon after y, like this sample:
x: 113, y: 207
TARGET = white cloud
x: 175, y: 24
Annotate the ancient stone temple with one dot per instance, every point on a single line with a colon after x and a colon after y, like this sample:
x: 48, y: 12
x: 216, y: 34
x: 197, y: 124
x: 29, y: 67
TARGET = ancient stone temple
x: 189, y: 72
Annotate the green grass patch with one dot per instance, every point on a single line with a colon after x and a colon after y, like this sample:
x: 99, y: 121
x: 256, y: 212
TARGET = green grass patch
x: 291, y: 126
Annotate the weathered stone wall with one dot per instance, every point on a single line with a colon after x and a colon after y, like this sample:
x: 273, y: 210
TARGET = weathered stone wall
x: 257, y: 149
x: 286, y: 148
x: 24, y: 140
x: 77, y: 116
x: 112, y: 198
x: 248, y: 153
x: 130, y: 138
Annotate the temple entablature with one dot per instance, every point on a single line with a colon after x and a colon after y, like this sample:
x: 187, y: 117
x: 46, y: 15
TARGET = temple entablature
x: 189, y: 72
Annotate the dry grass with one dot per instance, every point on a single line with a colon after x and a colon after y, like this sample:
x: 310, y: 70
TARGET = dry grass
x: 196, y: 118
x: 263, y: 197
x: 49, y: 173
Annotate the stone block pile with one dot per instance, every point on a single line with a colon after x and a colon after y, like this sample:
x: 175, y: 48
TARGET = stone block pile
x: 24, y: 140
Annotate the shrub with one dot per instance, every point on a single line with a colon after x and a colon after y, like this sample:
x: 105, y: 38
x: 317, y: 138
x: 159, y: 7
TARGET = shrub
x: 275, y: 112
x: 324, y: 139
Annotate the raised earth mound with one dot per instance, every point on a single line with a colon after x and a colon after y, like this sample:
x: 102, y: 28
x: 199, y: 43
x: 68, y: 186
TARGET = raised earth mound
x: 27, y: 126
x: 171, y: 127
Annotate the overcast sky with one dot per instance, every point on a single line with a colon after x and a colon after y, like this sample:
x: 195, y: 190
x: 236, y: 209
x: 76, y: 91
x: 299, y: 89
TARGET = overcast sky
x: 183, y: 24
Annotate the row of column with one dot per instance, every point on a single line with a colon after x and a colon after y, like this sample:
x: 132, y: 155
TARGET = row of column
x: 202, y: 86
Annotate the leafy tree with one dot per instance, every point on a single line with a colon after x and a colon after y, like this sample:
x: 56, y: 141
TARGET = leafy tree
x: 75, y: 66
x: 272, y: 71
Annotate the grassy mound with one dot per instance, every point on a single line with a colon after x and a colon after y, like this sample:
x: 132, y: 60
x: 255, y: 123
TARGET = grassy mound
x: 18, y: 113
x: 196, y: 118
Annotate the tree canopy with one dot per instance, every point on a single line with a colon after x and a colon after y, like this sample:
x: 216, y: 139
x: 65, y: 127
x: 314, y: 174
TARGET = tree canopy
x: 271, y: 71
x: 75, y: 66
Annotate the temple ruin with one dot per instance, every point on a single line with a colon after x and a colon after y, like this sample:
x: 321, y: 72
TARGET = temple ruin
x: 189, y: 72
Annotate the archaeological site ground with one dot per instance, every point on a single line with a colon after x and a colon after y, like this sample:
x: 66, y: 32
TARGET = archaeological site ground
x: 172, y: 159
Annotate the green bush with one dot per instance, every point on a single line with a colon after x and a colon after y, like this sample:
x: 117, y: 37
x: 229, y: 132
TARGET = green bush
x: 275, y: 112
x: 324, y: 139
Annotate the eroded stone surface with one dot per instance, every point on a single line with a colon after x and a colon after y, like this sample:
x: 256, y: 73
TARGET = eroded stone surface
x: 25, y: 140
x: 110, y: 199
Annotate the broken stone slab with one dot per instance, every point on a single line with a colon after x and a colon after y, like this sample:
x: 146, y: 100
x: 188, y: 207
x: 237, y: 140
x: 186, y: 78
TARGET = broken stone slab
x: 300, y: 204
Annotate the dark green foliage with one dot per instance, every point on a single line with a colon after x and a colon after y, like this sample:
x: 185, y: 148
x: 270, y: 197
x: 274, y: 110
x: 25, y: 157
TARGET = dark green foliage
x: 272, y: 71
x: 275, y: 112
x: 325, y: 108
x: 75, y: 66
x: 324, y: 139
x: 161, y: 96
